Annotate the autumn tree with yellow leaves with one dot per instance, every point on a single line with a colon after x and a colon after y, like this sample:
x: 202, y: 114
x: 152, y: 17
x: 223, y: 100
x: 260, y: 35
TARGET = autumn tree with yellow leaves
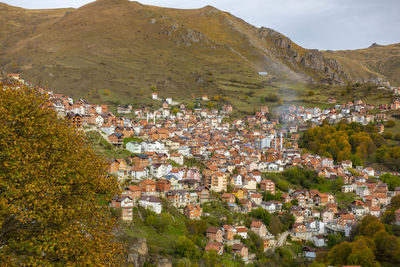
x: 51, y: 181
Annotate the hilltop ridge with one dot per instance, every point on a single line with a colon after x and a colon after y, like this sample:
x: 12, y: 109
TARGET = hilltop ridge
x: 129, y: 47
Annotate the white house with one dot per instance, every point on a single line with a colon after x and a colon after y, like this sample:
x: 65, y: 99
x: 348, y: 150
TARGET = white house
x: 369, y: 171
x: 268, y: 206
x: 318, y: 240
x: 99, y: 120
x: 348, y: 229
x: 347, y: 188
x: 347, y: 164
x: 175, y: 185
x: 134, y: 147
x: 177, y: 173
x: 148, y: 147
x: 250, y: 184
x: 241, y: 231
x: 315, y: 226
x: 165, y: 113
x: 107, y: 129
x: 153, y: 147
x: 256, y: 175
x: 359, y: 211
x: 327, y: 216
x: 123, y: 202
x: 327, y: 163
x: 273, y: 166
x: 237, y: 180
x: 361, y: 190
x: 178, y: 158
x: 126, y: 205
x: 151, y: 202
x: 184, y: 150
x: 139, y: 173
x: 159, y: 170
x: 98, y: 109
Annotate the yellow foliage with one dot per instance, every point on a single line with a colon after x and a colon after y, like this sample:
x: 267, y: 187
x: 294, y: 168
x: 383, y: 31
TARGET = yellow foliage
x: 50, y: 183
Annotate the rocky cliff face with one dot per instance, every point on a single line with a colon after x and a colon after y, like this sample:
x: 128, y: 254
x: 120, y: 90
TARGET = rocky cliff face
x: 138, y: 255
x: 312, y: 62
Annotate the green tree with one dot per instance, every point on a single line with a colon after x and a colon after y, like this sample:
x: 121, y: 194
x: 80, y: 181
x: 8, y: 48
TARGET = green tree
x: 387, y: 247
x: 275, y: 226
x: 338, y: 254
x: 211, y: 259
x: 388, y: 135
x: 395, y: 203
x: 362, y: 252
x: 356, y: 160
x: 391, y: 180
x: 334, y: 239
x: 364, y: 257
x: 390, y: 123
x: 370, y: 225
x: 262, y: 214
x: 372, y: 228
x: 190, y: 105
x: 287, y: 220
x: 185, y: 248
x: 50, y: 183
x: 388, y: 217
x: 381, y: 154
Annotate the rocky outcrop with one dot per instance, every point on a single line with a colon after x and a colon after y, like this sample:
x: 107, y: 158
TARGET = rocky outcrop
x: 328, y: 70
x: 137, y: 253
x: 164, y: 262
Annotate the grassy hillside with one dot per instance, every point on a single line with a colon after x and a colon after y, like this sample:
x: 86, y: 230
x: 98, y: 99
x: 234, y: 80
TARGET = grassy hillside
x: 133, y: 49
x: 382, y: 59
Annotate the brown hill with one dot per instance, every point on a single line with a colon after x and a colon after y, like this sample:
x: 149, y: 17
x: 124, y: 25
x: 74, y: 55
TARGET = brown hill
x: 128, y: 48
x: 382, y: 59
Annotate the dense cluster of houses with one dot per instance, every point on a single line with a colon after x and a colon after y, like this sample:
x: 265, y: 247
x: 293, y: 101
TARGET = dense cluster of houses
x: 356, y: 111
x: 232, y: 235
x: 229, y: 158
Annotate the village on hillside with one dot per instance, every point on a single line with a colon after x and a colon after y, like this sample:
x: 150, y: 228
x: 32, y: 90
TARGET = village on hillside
x: 192, y: 156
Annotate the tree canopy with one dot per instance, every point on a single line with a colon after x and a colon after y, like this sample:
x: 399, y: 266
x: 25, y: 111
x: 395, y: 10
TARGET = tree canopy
x: 372, y: 245
x: 51, y: 183
x: 353, y: 142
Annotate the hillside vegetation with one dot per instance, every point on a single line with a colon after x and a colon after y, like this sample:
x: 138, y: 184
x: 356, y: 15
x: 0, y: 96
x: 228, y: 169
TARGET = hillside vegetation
x: 355, y: 142
x: 50, y: 186
x: 132, y: 49
x: 383, y: 59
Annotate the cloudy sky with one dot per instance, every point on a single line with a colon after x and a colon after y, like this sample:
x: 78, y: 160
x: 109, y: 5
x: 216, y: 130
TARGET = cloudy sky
x: 321, y: 24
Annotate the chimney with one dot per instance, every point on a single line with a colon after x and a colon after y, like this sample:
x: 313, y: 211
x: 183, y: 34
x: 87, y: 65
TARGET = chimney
x: 281, y: 141
x: 154, y: 117
x: 275, y: 139
x: 147, y: 116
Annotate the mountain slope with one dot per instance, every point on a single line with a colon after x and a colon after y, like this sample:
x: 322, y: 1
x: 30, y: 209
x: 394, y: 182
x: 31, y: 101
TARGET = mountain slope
x: 129, y: 47
x: 382, y: 59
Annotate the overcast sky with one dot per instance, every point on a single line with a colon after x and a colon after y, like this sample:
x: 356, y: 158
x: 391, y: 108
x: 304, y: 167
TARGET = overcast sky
x: 321, y: 24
